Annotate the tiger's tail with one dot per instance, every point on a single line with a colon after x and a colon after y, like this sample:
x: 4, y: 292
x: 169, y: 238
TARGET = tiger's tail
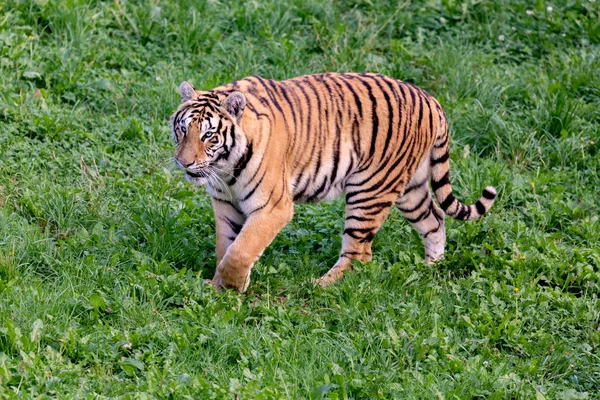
x: 440, y: 181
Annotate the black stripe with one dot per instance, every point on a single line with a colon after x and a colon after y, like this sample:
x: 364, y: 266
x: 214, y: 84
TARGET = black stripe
x: 411, y: 92
x: 357, y: 218
x: 370, y: 233
x: 421, y: 216
x: 228, y: 203
x: 444, y: 143
x: 287, y: 99
x: 351, y: 89
x: 430, y: 116
x: 316, y: 194
x: 361, y: 230
x: 269, y: 92
x: 379, y: 205
x: 448, y: 202
x: 337, y: 147
x: 301, y: 193
x: 374, y: 116
x: 243, y: 162
x: 211, y: 95
x: 251, y: 192
x: 464, y: 211
x: 440, y: 160
x: 432, y: 231
x: 390, y: 84
x: 315, y: 172
x: 489, y: 195
x: 225, y: 153
x: 413, y: 187
x: 369, y: 237
x: 318, y: 140
x: 279, y: 199
x: 435, y: 185
x: 390, y: 116
x: 480, y: 207
x: 438, y: 216
x: 415, y: 208
x: 260, y: 207
x: 257, y: 113
x: 356, y: 137
x: 350, y: 195
x: 375, y: 212
x: 409, y: 113
x: 350, y: 166
x: 235, y: 227
x: 394, y: 182
x: 308, y: 116
x: 337, y: 108
x: 352, y: 233
x: 420, y: 120
x: 341, y: 106
x: 231, y: 133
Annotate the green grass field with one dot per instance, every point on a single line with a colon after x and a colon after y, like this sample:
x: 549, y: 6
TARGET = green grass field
x: 104, y: 247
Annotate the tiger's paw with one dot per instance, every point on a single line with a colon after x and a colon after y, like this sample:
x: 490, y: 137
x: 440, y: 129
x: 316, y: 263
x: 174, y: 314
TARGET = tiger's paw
x: 431, y: 260
x: 215, y: 282
x: 433, y: 255
x: 223, y: 280
x: 333, y: 275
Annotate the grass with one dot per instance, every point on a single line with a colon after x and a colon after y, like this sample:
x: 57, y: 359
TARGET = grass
x: 104, y: 247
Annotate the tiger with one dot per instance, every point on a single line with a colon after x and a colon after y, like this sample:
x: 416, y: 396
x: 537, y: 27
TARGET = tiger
x: 261, y: 145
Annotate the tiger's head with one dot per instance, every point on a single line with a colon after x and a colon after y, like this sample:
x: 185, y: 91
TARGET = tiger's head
x: 208, y: 134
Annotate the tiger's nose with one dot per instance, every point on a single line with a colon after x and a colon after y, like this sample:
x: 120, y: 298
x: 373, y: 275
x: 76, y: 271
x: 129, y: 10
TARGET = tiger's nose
x: 184, y: 163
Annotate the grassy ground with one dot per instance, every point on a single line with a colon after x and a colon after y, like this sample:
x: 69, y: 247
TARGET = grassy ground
x: 103, y: 247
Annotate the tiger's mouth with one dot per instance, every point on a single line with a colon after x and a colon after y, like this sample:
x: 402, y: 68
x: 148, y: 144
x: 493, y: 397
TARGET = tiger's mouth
x: 197, y: 177
x: 197, y: 174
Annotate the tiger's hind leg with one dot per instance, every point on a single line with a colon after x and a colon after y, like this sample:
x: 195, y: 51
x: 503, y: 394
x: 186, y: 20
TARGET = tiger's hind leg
x: 363, y: 220
x: 424, y: 214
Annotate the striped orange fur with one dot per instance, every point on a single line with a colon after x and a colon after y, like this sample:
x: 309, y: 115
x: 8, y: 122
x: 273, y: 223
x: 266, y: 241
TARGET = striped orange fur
x: 260, y: 145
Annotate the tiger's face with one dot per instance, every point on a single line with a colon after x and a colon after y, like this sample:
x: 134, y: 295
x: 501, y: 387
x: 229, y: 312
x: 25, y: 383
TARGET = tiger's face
x: 207, y: 134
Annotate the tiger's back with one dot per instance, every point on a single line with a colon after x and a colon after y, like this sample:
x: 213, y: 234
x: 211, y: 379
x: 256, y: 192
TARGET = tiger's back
x: 339, y: 129
x: 374, y: 138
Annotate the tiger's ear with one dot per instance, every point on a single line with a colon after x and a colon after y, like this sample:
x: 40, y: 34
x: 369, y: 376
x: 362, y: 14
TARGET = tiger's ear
x: 234, y: 104
x: 187, y: 91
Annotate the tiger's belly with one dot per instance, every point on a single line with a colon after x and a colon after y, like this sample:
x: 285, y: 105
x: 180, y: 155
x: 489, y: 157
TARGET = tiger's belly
x: 317, y: 191
x: 327, y: 176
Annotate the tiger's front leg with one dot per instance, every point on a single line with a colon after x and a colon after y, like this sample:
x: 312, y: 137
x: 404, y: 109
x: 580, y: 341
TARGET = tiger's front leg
x: 259, y: 230
x: 228, y: 222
